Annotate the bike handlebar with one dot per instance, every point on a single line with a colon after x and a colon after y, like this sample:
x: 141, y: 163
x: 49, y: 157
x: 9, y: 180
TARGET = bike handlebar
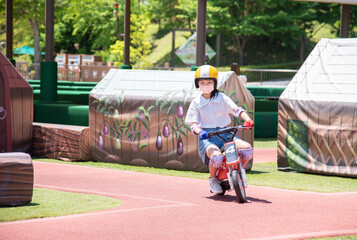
x: 232, y: 130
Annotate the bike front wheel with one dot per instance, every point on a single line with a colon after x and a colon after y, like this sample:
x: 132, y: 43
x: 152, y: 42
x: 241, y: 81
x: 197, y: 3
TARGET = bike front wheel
x: 238, y: 186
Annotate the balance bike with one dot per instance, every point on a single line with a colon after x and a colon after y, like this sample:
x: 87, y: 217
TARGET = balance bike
x: 231, y: 174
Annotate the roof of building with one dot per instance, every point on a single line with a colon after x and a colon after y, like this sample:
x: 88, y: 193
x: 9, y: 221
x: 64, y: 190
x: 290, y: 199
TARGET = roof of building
x: 328, y: 74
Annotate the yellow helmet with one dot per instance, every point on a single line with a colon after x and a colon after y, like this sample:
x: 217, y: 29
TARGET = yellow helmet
x: 206, y: 72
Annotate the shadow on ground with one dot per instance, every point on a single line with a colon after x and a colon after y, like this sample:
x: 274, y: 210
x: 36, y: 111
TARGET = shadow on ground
x: 232, y: 198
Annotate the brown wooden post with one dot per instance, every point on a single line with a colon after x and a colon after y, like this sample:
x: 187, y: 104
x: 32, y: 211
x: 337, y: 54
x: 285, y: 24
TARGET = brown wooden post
x: 50, y: 16
x: 201, y: 32
x: 173, y: 49
x: 127, y: 33
x: 9, y: 28
x: 49, y: 67
x: 345, y: 20
x: 117, y: 31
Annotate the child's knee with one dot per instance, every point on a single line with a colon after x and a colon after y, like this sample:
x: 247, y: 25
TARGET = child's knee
x: 245, y: 153
x: 242, y: 144
x: 216, y: 160
x: 246, y: 145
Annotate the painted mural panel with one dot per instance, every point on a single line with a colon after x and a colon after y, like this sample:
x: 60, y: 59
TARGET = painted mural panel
x: 324, y: 147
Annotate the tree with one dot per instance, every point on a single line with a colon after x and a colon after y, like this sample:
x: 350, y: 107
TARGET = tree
x: 22, y: 32
x: 163, y: 12
x: 331, y: 14
x: 139, y: 46
x: 242, y: 20
x: 294, y: 24
x: 187, y: 12
x: 87, y: 24
x: 305, y: 17
x: 31, y: 12
x: 34, y: 12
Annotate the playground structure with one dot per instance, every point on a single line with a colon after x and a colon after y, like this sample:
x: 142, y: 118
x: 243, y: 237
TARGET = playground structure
x: 317, y: 127
x: 16, y: 114
x: 16, y: 109
x: 16, y: 179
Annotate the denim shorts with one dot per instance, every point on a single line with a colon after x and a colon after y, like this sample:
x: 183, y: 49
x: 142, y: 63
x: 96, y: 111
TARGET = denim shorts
x: 215, y: 140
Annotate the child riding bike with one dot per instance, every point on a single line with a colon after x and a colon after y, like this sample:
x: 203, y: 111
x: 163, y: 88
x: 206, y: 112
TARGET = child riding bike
x: 210, y: 112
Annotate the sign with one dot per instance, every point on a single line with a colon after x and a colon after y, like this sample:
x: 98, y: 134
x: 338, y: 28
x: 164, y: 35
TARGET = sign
x: 187, y: 51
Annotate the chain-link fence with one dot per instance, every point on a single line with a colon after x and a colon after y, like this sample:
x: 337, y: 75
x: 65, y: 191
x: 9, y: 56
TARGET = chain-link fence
x: 268, y: 77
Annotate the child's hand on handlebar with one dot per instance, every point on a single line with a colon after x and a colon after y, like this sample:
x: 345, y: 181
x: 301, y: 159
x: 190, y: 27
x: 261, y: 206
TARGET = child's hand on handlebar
x: 249, y: 123
x: 203, y: 134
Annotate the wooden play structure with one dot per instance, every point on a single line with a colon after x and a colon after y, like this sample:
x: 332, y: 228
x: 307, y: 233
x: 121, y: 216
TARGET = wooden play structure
x: 16, y: 179
x: 16, y: 119
x: 16, y: 109
x: 317, y: 127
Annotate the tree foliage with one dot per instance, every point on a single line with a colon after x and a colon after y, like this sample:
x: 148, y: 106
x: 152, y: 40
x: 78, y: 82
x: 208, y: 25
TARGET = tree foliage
x: 162, y: 12
x: 243, y: 20
x: 139, y: 45
x: 259, y: 27
x: 86, y: 26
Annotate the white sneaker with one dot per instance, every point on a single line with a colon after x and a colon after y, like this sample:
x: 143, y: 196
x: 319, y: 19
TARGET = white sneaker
x: 215, y: 186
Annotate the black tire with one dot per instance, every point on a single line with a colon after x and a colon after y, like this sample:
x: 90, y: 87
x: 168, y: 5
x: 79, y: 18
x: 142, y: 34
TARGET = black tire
x: 238, y: 186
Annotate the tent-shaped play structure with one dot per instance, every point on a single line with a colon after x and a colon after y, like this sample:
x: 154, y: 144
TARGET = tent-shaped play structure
x: 16, y: 109
x: 16, y: 119
x: 317, y: 123
x: 137, y: 117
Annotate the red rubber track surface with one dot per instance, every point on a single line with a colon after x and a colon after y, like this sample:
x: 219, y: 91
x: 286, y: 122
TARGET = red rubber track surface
x: 164, y: 207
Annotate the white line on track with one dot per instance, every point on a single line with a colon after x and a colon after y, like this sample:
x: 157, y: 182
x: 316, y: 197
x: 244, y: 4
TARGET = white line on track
x: 101, y: 212
x: 112, y: 194
x: 308, y: 235
x: 307, y: 192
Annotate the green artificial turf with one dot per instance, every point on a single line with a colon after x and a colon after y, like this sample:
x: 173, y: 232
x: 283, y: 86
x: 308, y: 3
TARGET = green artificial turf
x: 50, y: 203
x: 265, y: 143
x: 267, y: 174
x: 354, y: 237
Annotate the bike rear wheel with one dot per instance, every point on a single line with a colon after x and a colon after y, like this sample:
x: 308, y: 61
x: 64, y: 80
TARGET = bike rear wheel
x: 238, y: 186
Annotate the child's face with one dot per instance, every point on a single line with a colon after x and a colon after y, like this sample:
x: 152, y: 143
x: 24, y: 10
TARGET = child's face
x: 206, y: 85
x: 205, y: 82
